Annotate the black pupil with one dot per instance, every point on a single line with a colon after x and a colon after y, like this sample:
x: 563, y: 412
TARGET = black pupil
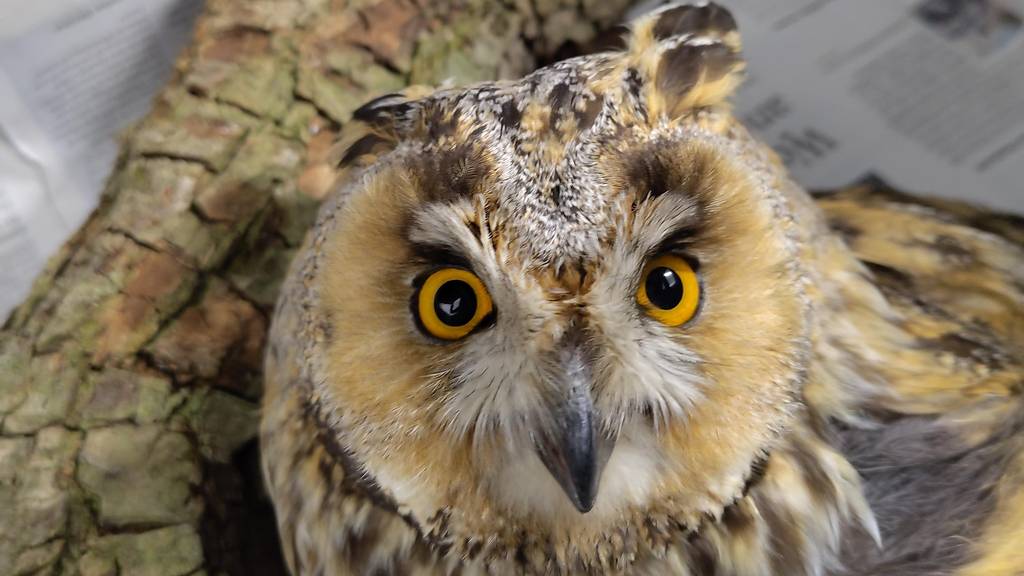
x: 455, y: 303
x: 664, y: 288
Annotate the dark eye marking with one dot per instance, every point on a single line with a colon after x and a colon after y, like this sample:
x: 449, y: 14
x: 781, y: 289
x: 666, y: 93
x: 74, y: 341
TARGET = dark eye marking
x: 433, y: 255
x: 656, y: 169
x: 680, y: 241
x: 651, y: 175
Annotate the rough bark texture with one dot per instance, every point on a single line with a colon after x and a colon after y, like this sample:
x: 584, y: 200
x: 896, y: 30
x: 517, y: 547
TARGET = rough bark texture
x: 130, y: 378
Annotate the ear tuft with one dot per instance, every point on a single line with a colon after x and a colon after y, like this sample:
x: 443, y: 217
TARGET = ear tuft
x: 689, y: 19
x: 379, y: 125
x: 689, y: 55
x: 383, y: 108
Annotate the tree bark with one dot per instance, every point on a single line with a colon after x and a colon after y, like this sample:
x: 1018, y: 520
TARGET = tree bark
x: 130, y: 377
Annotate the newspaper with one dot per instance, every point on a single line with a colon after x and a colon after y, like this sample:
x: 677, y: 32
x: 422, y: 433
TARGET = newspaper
x: 925, y: 94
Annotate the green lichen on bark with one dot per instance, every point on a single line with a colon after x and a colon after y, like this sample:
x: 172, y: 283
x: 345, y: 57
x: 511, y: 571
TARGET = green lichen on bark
x: 139, y: 476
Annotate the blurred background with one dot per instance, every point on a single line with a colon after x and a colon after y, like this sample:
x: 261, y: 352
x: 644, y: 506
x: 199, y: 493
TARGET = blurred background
x: 926, y: 95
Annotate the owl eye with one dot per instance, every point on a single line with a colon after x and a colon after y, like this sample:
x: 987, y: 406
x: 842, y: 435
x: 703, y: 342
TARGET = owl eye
x: 669, y: 290
x: 451, y: 303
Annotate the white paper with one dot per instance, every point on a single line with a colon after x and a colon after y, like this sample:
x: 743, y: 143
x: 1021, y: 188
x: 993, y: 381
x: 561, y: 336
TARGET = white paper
x: 926, y: 94
x: 67, y: 88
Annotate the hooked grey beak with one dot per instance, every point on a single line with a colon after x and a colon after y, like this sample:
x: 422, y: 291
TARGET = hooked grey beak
x: 575, y: 450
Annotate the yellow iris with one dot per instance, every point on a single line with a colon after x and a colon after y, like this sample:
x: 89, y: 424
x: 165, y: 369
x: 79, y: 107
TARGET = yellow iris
x: 451, y: 303
x: 669, y: 290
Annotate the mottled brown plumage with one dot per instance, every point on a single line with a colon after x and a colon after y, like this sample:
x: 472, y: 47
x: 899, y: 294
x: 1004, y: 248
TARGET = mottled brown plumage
x: 845, y: 400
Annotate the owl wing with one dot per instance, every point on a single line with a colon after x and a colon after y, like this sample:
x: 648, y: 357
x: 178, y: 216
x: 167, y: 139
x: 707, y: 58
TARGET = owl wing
x: 954, y: 277
x: 955, y: 271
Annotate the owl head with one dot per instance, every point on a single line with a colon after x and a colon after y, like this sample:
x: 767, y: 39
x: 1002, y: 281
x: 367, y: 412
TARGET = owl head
x: 566, y: 313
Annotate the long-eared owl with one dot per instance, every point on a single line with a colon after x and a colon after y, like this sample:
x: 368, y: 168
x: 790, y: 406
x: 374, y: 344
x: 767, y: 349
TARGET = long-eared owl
x: 584, y: 323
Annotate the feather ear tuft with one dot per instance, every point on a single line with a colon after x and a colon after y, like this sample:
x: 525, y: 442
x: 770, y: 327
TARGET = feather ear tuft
x: 689, y: 56
x: 379, y: 125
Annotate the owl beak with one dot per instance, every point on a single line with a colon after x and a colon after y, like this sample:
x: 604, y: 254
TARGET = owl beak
x: 575, y: 450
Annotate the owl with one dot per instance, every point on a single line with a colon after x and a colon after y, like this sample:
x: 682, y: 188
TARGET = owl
x: 584, y: 323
